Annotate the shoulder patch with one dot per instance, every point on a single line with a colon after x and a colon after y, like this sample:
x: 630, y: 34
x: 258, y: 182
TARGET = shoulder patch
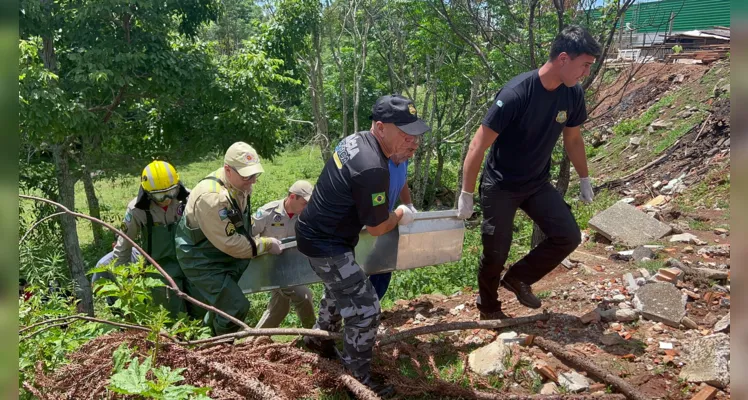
x: 499, y: 103
x: 128, y: 216
x: 258, y: 214
x: 230, y: 229
x: 377, y: 199
x: 223, y: 213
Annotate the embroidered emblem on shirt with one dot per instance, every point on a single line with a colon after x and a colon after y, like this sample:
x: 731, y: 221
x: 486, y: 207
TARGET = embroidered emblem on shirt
x: 277, y: 218
x: 377, y: 199
x: 223, y: 213
x: 561, y: 117
x: 128, y: 216
x: 230, y: 229
x: 499, y: 103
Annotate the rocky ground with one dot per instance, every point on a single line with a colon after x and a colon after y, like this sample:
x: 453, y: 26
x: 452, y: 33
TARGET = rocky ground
x: 661, y: 329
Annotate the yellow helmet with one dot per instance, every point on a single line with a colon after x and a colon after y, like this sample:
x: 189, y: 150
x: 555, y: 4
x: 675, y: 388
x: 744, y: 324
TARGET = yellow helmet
x: 159, y: 176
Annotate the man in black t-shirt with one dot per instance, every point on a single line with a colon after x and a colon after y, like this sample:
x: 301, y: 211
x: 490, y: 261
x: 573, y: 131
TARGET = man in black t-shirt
x: 522, y: 126
x: 352, y: 193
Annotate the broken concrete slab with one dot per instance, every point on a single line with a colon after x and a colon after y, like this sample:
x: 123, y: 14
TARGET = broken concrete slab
x: 661, y: 302
x: 659, y: 124
x: 573, y: 381
x: 708, y: 273
x: 723, y: 325
x: 623, y: 223
x: 687, y: 238
x: 708, y: 361
x: 489, y: 359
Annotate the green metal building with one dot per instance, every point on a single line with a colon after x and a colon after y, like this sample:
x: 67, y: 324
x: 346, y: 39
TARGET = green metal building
x: 654, y: 16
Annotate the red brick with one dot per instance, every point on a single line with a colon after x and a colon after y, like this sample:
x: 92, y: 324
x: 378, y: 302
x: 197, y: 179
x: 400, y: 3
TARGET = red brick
x: 707, y: 393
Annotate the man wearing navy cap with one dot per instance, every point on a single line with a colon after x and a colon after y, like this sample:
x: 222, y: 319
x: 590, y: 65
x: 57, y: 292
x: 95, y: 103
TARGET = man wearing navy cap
x: 352, y: 192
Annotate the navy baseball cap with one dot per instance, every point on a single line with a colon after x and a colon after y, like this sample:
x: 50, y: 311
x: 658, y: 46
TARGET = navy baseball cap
x: 400, y: 111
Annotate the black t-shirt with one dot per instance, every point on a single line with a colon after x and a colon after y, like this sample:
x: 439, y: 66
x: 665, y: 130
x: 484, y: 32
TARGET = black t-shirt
x: 351, y: 192
x: 529, y: 120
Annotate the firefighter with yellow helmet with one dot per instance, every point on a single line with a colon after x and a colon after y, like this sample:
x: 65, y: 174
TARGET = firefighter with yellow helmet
x: 151, y: 220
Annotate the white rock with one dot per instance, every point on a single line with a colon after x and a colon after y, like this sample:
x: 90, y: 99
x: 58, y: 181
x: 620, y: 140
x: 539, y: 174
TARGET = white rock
x: 708, y: 360
x: 573, y: 381
x: 488, y: 359
x: 549, y: 388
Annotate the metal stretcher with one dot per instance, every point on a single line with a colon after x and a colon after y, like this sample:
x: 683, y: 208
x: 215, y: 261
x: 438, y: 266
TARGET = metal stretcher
x: 433, y: 238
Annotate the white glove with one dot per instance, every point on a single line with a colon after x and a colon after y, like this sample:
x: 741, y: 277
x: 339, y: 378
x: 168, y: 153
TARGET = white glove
x: 465, y: 205
x: 411, y: 208
x: 273, y: 245
x: 408, y: 215
x: 585, y: 189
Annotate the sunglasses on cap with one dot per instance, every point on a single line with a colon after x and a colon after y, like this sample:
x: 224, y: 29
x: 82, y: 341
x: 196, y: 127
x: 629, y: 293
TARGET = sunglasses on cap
x: 163, y: 196
x: 244, y: 178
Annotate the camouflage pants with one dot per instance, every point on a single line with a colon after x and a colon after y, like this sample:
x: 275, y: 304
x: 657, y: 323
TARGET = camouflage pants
x: 348, y: 296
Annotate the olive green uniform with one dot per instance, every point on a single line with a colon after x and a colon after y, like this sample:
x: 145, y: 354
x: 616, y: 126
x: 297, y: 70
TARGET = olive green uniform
x: 153, y: 229
x: 213, y: 249
x: 272, y: 220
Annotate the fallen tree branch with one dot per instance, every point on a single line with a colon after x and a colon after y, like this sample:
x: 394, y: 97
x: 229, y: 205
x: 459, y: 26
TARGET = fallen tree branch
x: 588, y: 365
x: 37, y: 223
x: 33, y: 390
x: 267, y: 332
x: 702, y: 128
x: 453, y: 326
x: 357, y: 388
x: 49, y: 321
x: 86, y: 318
x: 171, y: 284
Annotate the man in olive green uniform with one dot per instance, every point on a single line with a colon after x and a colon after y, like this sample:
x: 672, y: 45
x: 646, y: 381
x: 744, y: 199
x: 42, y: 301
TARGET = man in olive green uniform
x: 214, y: 242
x: 277, y: 219
x: 151, y: 220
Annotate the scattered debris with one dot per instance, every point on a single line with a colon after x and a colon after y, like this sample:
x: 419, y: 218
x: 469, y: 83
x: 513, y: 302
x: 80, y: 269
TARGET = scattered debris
x: 687, y: 238
x: 659, y: 124
x: 549, y: 388
x: 723, y: 324
x: 542, y: 368
x: 721, y: 231
x: 708, y: 360
x: 573, y: 381
x: 706, y: 393
x: 661, y: 302
x: 622, y: 223
x: 689, y: 323
x: 688, y: 250
x: 657, y: 201
x: 722, y: 250
x: 488, y: 359
x: 670, y: 275
x: 619, y: 314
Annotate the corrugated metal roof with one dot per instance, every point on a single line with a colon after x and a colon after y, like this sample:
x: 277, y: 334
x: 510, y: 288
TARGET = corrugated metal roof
x: 688, y: 15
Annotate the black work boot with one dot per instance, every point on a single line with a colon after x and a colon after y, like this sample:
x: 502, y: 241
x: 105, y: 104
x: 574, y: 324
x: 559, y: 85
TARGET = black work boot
x: 325, y: 348
x: 381, y: 389
x: 488, y: 316
x: 522, y: 291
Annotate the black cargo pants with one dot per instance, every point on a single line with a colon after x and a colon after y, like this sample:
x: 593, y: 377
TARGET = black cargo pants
x: 547, y: 208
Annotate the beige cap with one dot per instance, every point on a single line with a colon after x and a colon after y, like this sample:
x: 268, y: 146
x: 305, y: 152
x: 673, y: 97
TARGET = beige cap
x: 303, y: 189
x: 244, y: 159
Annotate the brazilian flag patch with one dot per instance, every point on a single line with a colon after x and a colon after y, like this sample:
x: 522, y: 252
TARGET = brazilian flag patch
x: 377, y: 199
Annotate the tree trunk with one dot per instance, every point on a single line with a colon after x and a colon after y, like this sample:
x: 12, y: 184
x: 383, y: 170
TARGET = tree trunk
x: 531, y: 30
x: 73, y: 254
x: 93, y: 207
x: 343, y: 93
x: 474, y: 87
x: 317, y: 96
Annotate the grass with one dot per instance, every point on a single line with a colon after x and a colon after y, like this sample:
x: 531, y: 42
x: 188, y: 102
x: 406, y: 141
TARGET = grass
x: 652, y: 266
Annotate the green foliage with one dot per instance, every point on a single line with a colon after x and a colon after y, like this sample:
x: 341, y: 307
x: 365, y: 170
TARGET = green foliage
x: 50, y: 347
x: 133, y: 380
x: 131, y: 287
